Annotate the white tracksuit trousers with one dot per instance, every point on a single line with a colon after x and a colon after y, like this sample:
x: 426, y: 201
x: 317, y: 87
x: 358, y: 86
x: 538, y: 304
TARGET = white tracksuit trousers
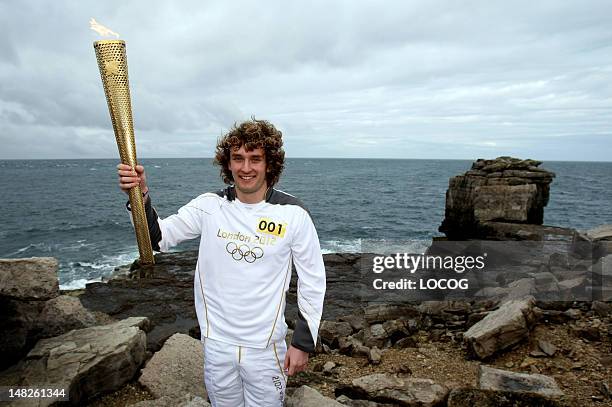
x: 236, y: 376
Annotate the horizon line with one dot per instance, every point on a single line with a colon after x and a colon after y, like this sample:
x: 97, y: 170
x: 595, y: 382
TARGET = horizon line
x: 315, y: 158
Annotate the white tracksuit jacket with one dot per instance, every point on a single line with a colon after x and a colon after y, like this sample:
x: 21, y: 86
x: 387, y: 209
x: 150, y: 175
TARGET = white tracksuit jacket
x: 244, y: 265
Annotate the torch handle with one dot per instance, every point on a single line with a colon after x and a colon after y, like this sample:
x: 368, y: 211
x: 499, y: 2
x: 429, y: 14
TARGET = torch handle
x: 140, y: 226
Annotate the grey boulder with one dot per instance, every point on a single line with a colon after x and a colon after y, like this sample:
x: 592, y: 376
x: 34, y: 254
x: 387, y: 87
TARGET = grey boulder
x: 505, y: 380
x: 392, y: 389
x: 85, y: 362
x: 502, y: 328
x: 29, y: 279
x: 177, y: 369
x: 308, y: 397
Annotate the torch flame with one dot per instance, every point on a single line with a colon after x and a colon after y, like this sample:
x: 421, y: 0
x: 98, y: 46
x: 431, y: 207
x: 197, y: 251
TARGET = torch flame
x: 100, y: 29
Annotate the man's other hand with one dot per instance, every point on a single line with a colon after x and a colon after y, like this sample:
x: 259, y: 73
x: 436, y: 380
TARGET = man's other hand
x: 295, y: 361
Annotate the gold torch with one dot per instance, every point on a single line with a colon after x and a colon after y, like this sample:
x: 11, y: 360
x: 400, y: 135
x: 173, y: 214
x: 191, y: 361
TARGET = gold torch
x: 112, y: 61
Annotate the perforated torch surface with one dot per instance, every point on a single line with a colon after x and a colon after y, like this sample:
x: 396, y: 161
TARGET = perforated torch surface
x: 112, y: 61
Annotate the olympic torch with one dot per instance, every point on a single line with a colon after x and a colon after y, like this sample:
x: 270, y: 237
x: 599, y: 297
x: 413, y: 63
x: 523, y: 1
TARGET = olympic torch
x: 112, y: 62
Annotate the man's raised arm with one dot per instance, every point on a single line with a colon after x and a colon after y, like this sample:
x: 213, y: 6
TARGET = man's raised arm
x: 164, y: 233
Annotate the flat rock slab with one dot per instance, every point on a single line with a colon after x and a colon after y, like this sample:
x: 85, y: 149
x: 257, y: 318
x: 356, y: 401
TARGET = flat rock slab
x: 603, y: 232
x: 177, y: 369
x: 86, y: 362
x: 501, y: 328
x: 468, y: 397
x: 29, y: 279
x: 384, y: 387
x: 308, y: 397
x: 603, y: 267
x: 505, y: 380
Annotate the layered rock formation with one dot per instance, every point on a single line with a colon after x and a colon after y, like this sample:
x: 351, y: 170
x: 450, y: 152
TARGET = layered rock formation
x: 504, y: 190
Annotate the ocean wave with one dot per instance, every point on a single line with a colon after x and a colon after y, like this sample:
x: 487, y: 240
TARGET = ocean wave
x: 45, y: 247
x: 75, y: 228
x: 78, y: 284
x: 79, y: 245
x: 76, y: 274
x: 95, y: 266
x: 105, y: 262
x: 388, y: 246
x: 341, y: 246
x: 374, y: 246
x: 66, y: 165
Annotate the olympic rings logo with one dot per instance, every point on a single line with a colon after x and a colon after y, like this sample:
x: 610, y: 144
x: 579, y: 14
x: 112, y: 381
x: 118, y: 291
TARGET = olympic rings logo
x: 244, y: 252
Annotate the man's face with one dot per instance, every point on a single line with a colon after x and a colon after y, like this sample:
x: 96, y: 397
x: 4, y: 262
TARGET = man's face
x: 249, y: 170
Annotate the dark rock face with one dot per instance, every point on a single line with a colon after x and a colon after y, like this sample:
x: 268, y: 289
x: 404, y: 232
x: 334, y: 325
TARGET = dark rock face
x: 505, y: 189
x: 25, y: 284
x: 32, y: 308
x: 163, y: 293
x: 18, y: 322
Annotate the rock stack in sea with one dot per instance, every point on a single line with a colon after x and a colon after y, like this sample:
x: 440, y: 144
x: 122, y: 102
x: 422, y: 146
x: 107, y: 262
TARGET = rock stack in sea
x: 495, y: 195
x: 134, y: 340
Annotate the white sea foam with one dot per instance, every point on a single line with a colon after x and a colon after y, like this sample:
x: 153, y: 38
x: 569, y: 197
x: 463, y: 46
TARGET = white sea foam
x: 121, y: 258
x: 341, y: 246
x: 374, y: 246
x: 388, y: 246
x: 79, y: 273
x: 77, y: 284
x: 95, y: 266
x: 105, y: 262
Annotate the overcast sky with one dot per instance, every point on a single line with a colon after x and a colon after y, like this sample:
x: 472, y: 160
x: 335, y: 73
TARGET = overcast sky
x: 395, y: 79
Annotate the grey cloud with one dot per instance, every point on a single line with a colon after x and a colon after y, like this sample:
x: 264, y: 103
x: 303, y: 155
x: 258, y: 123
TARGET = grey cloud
x: 392, y: 79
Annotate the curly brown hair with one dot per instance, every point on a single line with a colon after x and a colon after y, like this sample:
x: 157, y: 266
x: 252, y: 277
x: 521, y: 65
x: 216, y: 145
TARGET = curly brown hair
x: 252, y: 134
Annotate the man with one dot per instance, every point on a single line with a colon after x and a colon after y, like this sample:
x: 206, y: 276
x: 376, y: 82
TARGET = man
x: 251, y: 234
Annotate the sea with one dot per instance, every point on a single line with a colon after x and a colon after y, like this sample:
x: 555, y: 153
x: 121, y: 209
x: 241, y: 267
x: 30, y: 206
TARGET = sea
x: 74, y: 211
